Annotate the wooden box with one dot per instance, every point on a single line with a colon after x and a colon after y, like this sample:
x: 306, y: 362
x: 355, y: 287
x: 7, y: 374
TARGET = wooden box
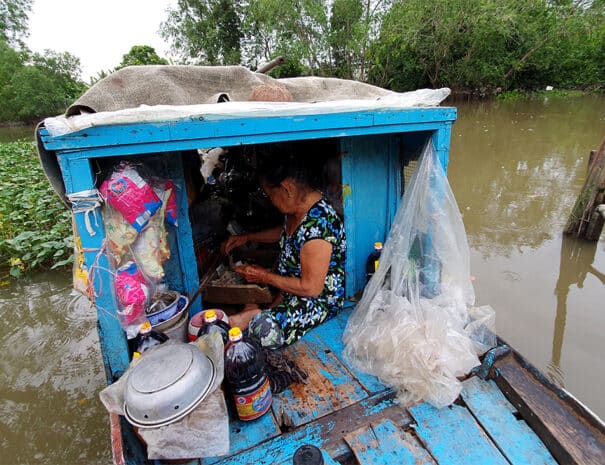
x: 234, y: 294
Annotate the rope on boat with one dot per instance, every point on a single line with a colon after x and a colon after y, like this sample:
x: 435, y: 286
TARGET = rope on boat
x: 86, y: 202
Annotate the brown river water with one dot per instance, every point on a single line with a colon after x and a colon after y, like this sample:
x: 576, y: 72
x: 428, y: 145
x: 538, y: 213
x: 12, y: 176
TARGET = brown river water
x: 515, y: 168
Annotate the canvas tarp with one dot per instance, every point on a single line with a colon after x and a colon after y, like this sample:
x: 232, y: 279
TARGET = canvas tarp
x: 166, y: 92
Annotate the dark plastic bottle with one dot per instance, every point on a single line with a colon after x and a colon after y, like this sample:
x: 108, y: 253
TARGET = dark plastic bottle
x: 373, y: 259
x: 149, y: 337
x: 212, y: 323
x: 246, y: 377
x: 308, y: 455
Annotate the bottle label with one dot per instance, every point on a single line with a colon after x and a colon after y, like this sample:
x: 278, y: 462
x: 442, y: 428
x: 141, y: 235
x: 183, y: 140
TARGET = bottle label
x: 376, y: 265
x: 253, y: 405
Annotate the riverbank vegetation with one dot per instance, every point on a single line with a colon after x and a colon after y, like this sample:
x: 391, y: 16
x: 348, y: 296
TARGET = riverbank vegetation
x: 479, y: 47
x: 35, y: 227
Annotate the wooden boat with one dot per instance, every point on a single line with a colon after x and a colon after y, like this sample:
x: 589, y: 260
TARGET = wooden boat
x: 507, y: 414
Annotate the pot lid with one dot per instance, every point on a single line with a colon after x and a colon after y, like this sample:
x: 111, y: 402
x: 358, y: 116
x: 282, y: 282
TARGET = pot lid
x: 162, y: 368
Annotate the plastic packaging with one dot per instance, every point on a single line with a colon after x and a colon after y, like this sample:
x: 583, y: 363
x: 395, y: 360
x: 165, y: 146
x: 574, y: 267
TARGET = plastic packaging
x: 127, y: 192
x: 414, y: 327
x: 246, y: 377
x: 80, y: 270
x: 120, y: 234
x: 151, y: 249
x: 137, y: 209
x: 132, y: 292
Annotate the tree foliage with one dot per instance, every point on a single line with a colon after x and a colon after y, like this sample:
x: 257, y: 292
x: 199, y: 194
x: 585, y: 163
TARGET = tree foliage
x: 317, y: 37
x: 469, y: 45
x: 205, y: 32
x: 13, y: 21
x: 141, y: 55
x: 37, y: 85
x: 488, y: 44
x: 476, y: 46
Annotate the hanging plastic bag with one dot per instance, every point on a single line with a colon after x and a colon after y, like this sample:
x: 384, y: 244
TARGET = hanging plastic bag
x: 120, y: 234
x: 133, y: 292
x: 151, y: 250
x: 171, y: 207
x: 127, y: 192
x: 412, y: 327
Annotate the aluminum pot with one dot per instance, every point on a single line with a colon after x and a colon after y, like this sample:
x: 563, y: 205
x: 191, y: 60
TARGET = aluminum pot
x: 169, y: 381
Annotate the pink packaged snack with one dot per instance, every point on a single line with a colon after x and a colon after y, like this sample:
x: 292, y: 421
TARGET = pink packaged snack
x: 129, y: 194
x: 132, y: 292
x: 171, y: 209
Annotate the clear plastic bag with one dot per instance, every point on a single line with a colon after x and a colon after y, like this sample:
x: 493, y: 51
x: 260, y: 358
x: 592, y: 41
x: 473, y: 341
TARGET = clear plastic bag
x: 413, y: 327
x: 136, y: 211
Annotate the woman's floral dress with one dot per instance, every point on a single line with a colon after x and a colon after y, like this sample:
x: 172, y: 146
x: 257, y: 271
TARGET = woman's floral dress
x: 295, y: 314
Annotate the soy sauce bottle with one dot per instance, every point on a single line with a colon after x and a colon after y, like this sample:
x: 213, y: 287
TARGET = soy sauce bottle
x: 246, y: 378
x: 373, y: 260
x: 212, y: 323
x: 148, y: 338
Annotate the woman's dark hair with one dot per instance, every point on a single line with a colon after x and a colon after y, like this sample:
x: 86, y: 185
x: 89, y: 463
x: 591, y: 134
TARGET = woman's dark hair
x: 297, y: 160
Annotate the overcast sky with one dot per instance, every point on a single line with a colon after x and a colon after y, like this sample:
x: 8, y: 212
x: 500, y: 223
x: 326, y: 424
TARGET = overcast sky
x: 98, y: 32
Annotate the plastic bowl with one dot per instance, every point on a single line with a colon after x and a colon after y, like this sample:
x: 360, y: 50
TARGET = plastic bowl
x: 168, y: 312
x: 179, y: 303
x: 169, y: 381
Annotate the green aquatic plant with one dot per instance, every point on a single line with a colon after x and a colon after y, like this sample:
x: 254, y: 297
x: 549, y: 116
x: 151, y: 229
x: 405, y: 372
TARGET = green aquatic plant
x: 35, y: 227
x: 517, y: 94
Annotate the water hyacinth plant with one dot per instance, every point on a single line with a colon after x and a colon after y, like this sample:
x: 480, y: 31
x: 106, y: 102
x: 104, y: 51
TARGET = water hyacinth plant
x: 35, y: 227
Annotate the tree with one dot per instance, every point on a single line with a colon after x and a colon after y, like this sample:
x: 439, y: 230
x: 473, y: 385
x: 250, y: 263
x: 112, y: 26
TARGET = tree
x: 141, y: 55
x: 13, y: 21
x: 11, y: 62
x: 488, y: 44
x: 205, y: 31
x: 346, y: 37
x: 41, y: 85
x: 479, y: 46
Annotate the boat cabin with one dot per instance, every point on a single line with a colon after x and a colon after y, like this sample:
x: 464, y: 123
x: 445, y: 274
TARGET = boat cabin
x: 368, y: 153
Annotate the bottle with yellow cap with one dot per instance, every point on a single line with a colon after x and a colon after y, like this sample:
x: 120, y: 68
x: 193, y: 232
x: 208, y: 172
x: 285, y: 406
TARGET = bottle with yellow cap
x: 246, y: 377
x: 373, y: 260
x: 212, y: 323
x: 148, y: 337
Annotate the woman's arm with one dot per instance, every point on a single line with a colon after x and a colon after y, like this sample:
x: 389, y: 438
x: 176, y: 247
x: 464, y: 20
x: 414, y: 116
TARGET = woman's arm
x: 268, y: 235
x: 314, y: 262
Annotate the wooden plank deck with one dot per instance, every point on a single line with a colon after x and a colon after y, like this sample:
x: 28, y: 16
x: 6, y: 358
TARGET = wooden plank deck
x: 519, y: 444
x: 568, y: 433
x: 354, y: 419
x: 384, y: 442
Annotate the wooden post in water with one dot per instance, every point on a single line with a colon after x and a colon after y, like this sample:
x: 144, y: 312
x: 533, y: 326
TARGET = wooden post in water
x: 585, y: 221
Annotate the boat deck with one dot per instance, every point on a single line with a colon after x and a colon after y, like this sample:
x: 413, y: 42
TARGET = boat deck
x: 354, y: 419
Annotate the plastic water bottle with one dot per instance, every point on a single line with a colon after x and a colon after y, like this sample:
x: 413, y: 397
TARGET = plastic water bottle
x: 149, y: 337
x: 212, y: 323
x: 246, y: 377
x: 373, y: 260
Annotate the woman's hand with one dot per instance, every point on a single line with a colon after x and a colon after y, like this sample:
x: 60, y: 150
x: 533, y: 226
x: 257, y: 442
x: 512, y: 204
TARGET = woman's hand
x: 233, y: 242
x: 254, y: 273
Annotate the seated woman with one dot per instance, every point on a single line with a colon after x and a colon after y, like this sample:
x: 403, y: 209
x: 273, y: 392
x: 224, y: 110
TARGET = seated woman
x: 310, y: 264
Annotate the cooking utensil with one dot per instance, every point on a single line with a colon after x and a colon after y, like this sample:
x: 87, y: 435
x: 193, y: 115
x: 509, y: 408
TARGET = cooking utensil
x: 169, y: 381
